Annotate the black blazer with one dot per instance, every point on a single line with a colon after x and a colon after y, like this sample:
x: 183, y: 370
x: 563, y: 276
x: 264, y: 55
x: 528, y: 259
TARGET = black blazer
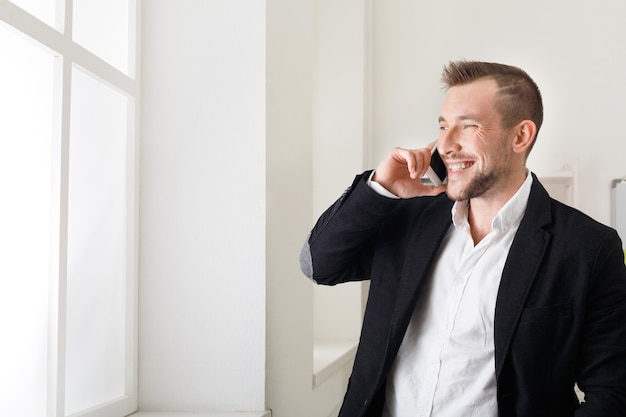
x: 560, y: 313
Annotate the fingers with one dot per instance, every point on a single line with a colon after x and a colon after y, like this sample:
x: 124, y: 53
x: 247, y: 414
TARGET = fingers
x: 415, y: 160
x: 406, y: 156
x: 401, y: 170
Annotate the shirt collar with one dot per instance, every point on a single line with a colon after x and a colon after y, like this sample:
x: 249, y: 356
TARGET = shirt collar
x: 509, y: 215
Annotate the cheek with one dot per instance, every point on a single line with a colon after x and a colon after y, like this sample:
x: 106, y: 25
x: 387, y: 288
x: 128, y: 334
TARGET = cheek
x: 480, y: 137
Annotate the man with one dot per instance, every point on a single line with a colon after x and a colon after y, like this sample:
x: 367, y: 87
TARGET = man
x: 490, y: 299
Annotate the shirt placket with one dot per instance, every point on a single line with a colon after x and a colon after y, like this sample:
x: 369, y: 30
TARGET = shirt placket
x: 467, y: 264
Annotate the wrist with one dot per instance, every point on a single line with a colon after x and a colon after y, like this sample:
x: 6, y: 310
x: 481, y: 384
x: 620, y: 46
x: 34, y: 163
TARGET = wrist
x: 378, y: 188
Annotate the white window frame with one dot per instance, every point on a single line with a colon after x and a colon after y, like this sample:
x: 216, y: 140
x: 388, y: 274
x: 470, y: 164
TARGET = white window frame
x: 69, y: 54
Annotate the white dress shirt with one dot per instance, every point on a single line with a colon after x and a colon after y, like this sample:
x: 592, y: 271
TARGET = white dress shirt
x: 445, y: 366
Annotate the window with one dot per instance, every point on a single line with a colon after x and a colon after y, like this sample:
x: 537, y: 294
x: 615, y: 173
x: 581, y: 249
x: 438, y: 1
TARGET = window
x: 68, y: 177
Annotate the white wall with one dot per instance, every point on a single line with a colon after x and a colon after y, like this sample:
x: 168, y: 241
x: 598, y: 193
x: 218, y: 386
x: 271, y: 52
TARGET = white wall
x: 573, y: 49
x: 289, y: 203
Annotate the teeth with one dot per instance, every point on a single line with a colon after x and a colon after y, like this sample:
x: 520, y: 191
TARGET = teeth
x: 459, y: 166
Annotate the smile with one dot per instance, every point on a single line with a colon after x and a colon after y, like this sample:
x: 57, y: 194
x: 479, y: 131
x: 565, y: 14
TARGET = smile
x: 459, y: 166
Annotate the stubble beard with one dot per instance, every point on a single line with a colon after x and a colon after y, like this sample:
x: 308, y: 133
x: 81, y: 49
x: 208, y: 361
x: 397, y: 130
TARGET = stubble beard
x: 478, y: 186
x: 483, y: 182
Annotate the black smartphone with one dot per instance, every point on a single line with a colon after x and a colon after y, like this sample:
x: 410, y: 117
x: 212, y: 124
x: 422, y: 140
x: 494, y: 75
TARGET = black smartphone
x: 437, y: 173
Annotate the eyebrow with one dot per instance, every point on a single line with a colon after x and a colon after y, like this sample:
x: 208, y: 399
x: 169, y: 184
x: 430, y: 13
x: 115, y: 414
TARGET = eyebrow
x: 461, y: 117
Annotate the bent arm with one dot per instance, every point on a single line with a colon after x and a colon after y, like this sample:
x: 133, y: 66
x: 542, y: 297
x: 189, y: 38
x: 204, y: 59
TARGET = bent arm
x: 340, y: 247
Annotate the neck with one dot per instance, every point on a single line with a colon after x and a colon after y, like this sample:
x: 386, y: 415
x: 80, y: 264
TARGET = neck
x: 480, y: 218
x: 482, y: 210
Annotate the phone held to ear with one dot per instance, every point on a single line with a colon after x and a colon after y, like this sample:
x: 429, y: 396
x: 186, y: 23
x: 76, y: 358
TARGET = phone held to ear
x: 437, y: 173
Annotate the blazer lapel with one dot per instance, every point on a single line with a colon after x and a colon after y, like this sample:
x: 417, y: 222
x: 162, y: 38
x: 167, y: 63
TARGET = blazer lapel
x: 520, y: 270
x: 434, y: 223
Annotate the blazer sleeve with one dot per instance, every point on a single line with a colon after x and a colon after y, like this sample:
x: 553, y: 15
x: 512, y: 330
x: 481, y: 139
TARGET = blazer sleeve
x: 341, y: 245
x: 602, y: 374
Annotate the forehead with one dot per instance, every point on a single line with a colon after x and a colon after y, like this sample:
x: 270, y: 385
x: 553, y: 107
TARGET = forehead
x: 474, y: 99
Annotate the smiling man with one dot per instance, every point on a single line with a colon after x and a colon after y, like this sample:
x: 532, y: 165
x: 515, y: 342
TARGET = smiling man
x: 489, y: 299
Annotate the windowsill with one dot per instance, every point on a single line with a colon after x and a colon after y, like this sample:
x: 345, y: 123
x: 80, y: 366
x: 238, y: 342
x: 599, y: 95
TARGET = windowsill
x: 329, y: 356
x: 192, y: 414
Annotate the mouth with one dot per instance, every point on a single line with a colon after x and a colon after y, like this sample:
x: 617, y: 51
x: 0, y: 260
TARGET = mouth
x: 459, y: 166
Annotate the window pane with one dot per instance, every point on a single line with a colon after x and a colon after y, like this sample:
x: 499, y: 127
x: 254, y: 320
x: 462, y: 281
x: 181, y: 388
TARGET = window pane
x: 44, y: 10
x: 25, y: 169
x: 102, y: 27
x: 96, y: 326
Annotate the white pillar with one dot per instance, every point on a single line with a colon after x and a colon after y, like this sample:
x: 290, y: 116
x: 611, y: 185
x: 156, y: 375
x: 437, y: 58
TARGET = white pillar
x: 203, y: 228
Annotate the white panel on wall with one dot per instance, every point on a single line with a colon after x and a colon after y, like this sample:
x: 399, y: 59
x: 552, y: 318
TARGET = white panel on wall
x: 561, y: 186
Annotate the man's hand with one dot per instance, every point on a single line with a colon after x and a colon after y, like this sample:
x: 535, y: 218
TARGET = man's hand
x: 401, y: 170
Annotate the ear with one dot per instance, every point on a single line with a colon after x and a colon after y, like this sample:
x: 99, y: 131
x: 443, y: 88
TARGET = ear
x: 524, y: 136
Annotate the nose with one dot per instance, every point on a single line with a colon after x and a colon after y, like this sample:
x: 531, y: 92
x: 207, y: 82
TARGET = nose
x: 448, y: 141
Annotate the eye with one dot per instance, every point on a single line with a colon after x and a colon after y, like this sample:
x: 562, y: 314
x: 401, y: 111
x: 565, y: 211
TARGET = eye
x: 443, y: 127
x: 469, y: 126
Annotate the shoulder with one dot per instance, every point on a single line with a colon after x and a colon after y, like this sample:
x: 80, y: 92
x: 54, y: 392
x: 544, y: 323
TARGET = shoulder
x: 545, y: 211
x: 569, y: 229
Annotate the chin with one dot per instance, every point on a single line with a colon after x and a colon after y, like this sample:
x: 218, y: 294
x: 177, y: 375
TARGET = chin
x: 473, y: 188
x: 455, y: 194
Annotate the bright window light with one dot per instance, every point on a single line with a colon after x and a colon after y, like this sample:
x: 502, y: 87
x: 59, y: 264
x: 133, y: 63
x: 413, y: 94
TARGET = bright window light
x: 25, y: 218
x: 96, y: 277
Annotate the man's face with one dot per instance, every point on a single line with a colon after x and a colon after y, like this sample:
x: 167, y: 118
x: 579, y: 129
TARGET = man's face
x: 472, y: 142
